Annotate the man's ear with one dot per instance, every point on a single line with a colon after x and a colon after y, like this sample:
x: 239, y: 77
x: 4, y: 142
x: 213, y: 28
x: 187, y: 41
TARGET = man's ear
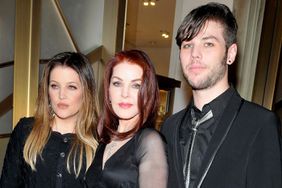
x: 231, y: 54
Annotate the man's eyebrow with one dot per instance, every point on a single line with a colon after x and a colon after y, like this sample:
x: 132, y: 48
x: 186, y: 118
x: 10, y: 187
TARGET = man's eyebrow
x: 210, y: 37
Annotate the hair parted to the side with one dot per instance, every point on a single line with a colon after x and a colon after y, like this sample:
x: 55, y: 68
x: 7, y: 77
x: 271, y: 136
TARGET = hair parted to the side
x: 85, y: 142
x: 194, y: 22
x: 148, y: 96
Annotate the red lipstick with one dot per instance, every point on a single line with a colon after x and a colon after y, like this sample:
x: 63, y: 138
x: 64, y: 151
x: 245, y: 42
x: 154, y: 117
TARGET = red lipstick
x: 125, y: 105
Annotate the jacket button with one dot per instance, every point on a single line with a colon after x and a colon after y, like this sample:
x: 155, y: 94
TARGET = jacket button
x: 65, y: 140
x: 59, y: 175
x: 62, y: 154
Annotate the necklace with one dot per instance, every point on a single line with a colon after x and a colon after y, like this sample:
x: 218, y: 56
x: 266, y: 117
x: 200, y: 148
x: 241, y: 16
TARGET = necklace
x: 111, y: 149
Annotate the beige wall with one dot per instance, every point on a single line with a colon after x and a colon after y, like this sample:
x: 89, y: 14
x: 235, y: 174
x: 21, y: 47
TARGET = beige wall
x: 249, y: 15
x: 160, y: 58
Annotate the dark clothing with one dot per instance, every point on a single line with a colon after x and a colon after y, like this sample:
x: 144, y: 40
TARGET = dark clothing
x: 141, y: 162
x: 51, y: 170
x: 243, y: 152
x: 196, y: 132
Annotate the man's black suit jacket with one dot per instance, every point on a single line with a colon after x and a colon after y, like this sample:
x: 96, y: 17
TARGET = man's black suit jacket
x: 244, y: 151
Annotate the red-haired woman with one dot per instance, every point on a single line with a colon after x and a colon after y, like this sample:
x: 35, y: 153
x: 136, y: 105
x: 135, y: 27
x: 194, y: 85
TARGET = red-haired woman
x: 131, y: 153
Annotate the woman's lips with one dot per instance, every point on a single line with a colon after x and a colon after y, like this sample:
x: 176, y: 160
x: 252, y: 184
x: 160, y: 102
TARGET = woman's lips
x: 62, y: 105
x: 125, y: 105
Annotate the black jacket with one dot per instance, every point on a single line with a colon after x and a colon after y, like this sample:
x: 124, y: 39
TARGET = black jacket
x: 244, y: 151
x: 50, y: 171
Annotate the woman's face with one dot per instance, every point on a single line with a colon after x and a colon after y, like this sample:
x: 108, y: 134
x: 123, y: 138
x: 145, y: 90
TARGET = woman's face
x: 123, y: 90
x: 65, y: 92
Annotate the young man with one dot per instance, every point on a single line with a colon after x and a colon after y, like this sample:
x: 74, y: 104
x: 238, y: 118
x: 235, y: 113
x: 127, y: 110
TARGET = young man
x: 220, y: 140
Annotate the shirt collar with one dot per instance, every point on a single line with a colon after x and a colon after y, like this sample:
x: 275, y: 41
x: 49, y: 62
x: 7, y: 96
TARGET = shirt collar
x: 217, y: 105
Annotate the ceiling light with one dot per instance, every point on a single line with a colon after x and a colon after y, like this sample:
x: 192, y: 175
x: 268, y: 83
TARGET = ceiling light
x: 146, y: 3
x: 149, y: 2
x: 165, y: 34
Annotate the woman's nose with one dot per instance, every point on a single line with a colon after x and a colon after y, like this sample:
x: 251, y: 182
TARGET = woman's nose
x: 125, y: 91
x: 62, y: 93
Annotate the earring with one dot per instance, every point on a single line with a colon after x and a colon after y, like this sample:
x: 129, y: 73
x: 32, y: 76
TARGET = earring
x: 51, y: 111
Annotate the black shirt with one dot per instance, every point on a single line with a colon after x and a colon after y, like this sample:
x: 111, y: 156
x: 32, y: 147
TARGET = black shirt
x: 51, y: 170
x: 194, y: 142
x: 141, y: 162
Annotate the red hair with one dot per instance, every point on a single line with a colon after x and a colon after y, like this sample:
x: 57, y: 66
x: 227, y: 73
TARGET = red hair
x: 148, y: 96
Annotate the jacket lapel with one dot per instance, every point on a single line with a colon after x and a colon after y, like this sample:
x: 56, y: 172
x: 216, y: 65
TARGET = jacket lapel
x: 219, y: 136
x: 177, y: 149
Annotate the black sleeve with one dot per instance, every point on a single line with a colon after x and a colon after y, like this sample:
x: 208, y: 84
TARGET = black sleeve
x: 264, y: 166
x: 153, y: 168
x: 13, y: 163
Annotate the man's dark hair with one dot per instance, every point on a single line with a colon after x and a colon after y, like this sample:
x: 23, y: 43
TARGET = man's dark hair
x: 194, y: 22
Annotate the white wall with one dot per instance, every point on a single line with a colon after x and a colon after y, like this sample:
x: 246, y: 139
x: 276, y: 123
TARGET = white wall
x: 7, y: 27
x: 84, y: 19
x: 7, y: 30
x: 6, y: 89
x: 53, y: 36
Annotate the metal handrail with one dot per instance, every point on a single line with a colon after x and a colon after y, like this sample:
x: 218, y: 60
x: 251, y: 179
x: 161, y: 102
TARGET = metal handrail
x: 7, y: 64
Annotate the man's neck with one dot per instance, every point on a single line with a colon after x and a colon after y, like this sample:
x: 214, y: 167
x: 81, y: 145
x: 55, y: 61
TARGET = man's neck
x: 205, y: 96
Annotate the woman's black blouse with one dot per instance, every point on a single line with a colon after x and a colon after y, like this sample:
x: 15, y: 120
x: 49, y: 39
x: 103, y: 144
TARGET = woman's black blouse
x: 51, y: 170
x: 141, y: 162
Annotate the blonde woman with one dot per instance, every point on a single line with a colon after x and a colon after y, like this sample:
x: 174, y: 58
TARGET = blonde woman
x: 56, y: 146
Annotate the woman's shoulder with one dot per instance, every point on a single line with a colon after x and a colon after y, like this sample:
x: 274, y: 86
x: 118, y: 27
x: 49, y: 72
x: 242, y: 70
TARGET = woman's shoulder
x: 149, y: 144
x: 24, y: 126
x: 149, y: 135
x: 148, y: 131
x: 25, y: 123
x: 20, y: 133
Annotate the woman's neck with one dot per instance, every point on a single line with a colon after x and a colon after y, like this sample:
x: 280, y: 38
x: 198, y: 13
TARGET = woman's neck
x: 128, y: 124
x: 64, y: 126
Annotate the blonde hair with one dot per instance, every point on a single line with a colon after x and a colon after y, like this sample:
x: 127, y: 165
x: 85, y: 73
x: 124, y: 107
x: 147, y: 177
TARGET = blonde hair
x: 85, y: 141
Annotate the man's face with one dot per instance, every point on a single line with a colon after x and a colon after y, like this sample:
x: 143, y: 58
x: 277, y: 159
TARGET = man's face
x: 204, y: 58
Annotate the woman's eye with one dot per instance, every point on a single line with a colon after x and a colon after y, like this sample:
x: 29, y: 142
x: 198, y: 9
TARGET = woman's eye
x: 54, y: 86
x: 72, y: 87
x: 136, y: 86
x: 117, y: 84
